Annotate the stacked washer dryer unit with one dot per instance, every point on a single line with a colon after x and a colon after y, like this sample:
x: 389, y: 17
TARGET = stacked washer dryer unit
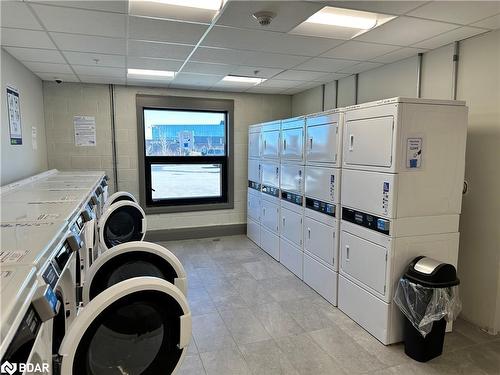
x: 322, y: 211
x: 402, y: 178
x: 254, y: 183
x: 270, y: 195
x: 292, y: 194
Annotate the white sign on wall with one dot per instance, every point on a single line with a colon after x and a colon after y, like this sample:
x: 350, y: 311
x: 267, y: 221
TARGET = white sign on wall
x: 85, y: 133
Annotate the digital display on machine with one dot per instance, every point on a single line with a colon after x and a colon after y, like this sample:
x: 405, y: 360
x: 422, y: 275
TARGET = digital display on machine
x: 369, y: 221
x: 254, y: 185
x: 320, y: 206
x: 50, y: 276
x: 275, y: 192
x: 80, y: 221
x: 62, y: 256
x: 292, y: 198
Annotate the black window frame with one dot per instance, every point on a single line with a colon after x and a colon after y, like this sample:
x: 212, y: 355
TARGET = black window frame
x: 226, y: 200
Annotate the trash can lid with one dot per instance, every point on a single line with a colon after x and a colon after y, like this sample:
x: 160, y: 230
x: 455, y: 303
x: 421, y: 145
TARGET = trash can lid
x: 431, y: 273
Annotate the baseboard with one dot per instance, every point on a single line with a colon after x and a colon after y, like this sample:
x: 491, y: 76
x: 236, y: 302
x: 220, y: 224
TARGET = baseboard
x: 176, y: 234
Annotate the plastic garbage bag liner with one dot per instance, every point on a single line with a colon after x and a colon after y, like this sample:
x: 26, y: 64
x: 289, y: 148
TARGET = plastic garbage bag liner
x: 423, y: 305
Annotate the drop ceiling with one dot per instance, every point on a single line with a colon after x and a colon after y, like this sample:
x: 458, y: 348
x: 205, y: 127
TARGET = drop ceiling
x: 96, y: 41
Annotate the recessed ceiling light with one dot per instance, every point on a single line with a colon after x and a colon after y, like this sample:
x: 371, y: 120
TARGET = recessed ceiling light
x: 242, y: 79
x: 200, y: 4
x: 145, y: 73
x: 339, y: 23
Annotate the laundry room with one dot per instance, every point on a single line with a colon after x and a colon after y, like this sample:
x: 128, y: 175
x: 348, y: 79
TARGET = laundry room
x: 222, y: 187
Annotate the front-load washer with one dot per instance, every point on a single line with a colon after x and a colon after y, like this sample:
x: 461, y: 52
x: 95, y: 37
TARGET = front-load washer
x: 122, y: 222
x: 133, y: 259
x: 28, y: 306
x: 117, y: 197
x: 137, y: 326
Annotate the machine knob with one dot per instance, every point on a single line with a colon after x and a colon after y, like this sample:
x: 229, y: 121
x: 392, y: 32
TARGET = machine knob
x: 46, y: 303
x: 74, y: 243
x: 99, y: 190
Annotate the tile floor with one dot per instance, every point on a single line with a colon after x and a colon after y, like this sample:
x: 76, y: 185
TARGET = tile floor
x: 252, y: 316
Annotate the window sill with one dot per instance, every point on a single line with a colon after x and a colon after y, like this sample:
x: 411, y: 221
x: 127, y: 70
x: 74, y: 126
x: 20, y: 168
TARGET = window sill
x: 187, y: 208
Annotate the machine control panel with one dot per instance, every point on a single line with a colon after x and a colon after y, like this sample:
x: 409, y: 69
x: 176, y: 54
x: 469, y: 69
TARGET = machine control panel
x: 275, y: 192
x: 254, y: 185
x: 369, y: 221
x: 50, y: 276
x: 320, y: 206
x: 292, y: 198
x: 46, y: 303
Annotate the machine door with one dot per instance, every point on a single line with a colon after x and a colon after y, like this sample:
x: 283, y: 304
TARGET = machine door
x: 123, y: 222
x: 323, y: 184
x: 320, y: 240
x: 253, y: 200
x: 292, y: 144
x: 138, y: 326
x: 292, y: 178
x: 270, y: 144
x: 254, y: 144
x: 369, y: 142
x: 254, y: 170
x: 322, y: 143
x: 270, y: 174
x: 133, y: 259
x: 119, y: 196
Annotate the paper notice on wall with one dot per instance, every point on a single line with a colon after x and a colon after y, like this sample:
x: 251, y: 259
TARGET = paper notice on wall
x: 85, y: 134
x: 14, y: 109
x: 34, y: 142
x: 413, y: 152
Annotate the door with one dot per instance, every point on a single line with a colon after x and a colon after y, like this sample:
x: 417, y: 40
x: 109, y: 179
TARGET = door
x: 123, y: 222
x: 291, y: 257
x: 254, y: 208
x: 253, y: 230
x: 139, y: 326
x: 270, y: 174
x: 322, y: 143
x: 270, y: 243
x: 270, y: 216
x: 118, y: 197
x: 270, y: 144
x: 322, y: 183
x: 254, y: 170
x: 254, y: 144
x: 291, y: 226
x: 292, y: 144
x: 369, y: 142
x: 292, y: 178
x: 133, y: 259
x: 320, y: 239
x: 363, y: 260
x: 322, y: 279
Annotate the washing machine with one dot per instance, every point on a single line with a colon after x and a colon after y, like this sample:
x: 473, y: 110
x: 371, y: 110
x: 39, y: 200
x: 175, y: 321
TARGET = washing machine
x: 270, y: 208
x: 124, y: 221
x: 117, y: 197
x: 133, y: 259
x: 28, y: 308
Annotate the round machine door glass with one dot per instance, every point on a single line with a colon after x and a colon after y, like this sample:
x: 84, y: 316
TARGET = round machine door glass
x: 140, y: 332
x: 123, y: 222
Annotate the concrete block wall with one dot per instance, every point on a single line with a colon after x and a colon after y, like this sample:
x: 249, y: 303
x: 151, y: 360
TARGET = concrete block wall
x: 66, y: 100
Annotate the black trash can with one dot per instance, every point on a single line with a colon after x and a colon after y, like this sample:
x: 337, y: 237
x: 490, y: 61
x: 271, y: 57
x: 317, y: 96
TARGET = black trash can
x: 427, y: 294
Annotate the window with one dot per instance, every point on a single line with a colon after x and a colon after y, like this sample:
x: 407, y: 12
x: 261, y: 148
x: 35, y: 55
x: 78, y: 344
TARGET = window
x: 185, y: 152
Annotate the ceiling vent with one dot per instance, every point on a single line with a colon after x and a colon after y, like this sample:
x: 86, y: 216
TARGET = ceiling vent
x: 264, y: 18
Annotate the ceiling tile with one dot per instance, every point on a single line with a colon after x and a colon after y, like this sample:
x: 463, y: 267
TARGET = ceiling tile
x: 450, y: 37
x: 187, y: 86
x: 330, y: 77
x: 40, y: 67
x: 489, y: 23
x: 26, y: 38
x: 236, y: 57
x: 321, y: 64
x: 265, y: 90
x: 359, y: 50
x: 255, y: 70
x: 103, y: 79
x: 17, y: 14
x: 267, y: 41
x: 99, y: 71
x: 281, y: 83
x: 361, y: 67
x: 87, y: 43
x: 82, y: 58
x: 158, y: 9
x: 387, y: 7
x: 404, y: 31
x: 36, y: 54
x: 400, y: 54
x: 165, y: 31
x: 225, y: 86
x: 54, y: 76
x: 196, y: 79
x: 288, y: 14
x: 118, y: 6
x: 156, y: 49
x: 207, y: 68
x: 462, y: 12
x: 299, y: 75
x: 80, y: 21
x: 153, y: 63
x: 147, y: 83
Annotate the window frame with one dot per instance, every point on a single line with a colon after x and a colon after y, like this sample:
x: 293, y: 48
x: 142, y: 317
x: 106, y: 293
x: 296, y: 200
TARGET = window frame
x: 226, y: 201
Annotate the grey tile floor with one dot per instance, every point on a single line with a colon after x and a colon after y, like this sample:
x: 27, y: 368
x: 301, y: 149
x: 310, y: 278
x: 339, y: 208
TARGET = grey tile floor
x: 252, y: 316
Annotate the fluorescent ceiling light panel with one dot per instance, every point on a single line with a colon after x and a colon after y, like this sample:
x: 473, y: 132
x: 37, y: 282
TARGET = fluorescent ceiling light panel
x: 202, y: 11
x: 200, y: 4
x: 242, y: 79
x: 338, y: 23
x: 150, y: 74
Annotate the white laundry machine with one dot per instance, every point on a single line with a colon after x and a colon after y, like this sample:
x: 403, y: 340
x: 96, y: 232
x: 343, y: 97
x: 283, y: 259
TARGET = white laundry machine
x: 254, y: 183
x: 270, y: 208
x: 124, y: 221
x: 323, y: 142
x: 117, y: 197
x: 28, y: 306
x: 270, y: 138
x: 133, y: 259
x: 292, y: 140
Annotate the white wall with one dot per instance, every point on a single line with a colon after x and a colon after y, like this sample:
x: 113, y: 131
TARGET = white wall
x: 20, y: 161
x: 479, y: 86
x: 309, y: 101
x: 87, y: 99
